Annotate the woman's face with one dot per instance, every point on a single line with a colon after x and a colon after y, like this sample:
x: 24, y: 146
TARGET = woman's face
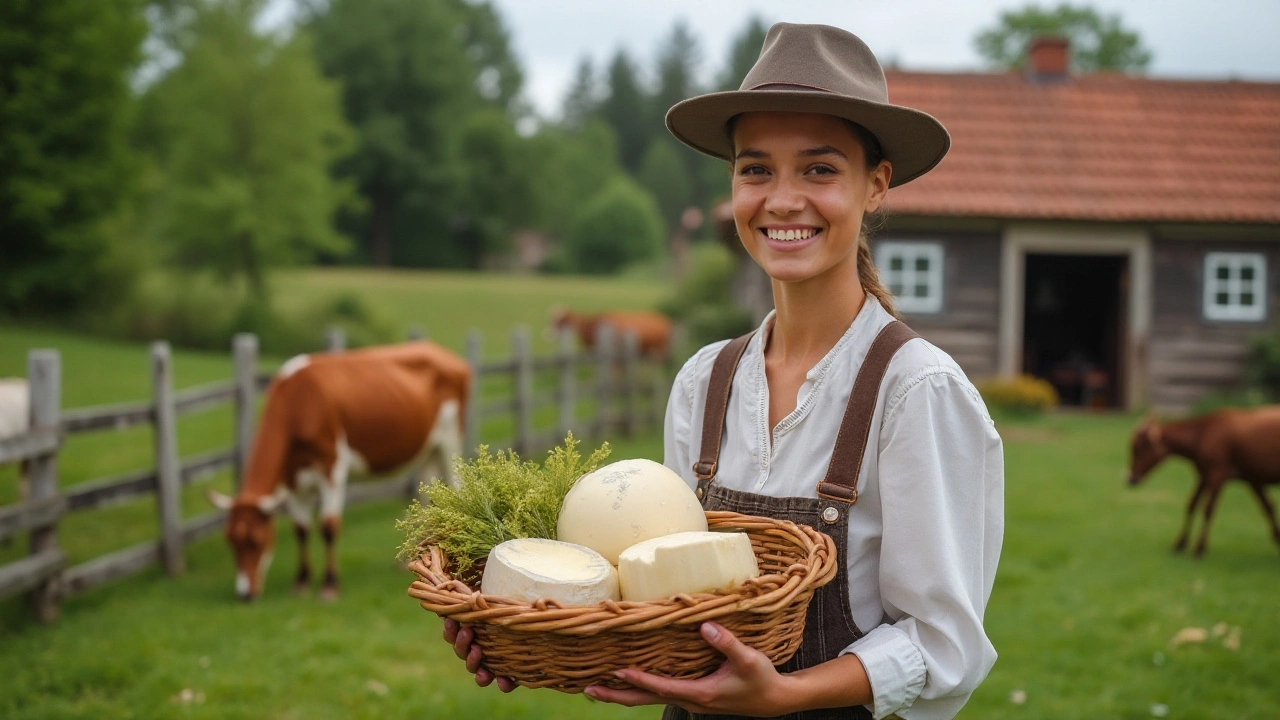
x: 800, y: 188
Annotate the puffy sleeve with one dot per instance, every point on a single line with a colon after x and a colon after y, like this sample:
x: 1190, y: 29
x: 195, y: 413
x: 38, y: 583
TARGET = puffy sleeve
x: 677, y: 428
x: 941, y: 482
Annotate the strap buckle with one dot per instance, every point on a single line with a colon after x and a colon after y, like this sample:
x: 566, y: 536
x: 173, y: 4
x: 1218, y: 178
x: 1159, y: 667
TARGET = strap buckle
x: 840, y: 493
x: 704, y: 470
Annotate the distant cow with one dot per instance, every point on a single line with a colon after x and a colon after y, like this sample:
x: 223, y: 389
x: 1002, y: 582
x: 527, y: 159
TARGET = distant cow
x: 1224, y: 445
x: 652, y: 329
x: 374, y: 411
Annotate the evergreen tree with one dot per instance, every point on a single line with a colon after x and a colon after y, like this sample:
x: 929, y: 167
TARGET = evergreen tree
x: 743, y: 52
x: 583, y: 98
x: 678, y: 61
x: 626, y: 109
x: 65, y: 164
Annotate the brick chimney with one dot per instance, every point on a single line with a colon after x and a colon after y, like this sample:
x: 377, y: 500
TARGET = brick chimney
x: 1048, y: 58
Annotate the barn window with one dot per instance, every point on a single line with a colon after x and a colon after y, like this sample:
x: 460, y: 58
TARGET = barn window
x: 1235, y: 286
x: 913, y: 273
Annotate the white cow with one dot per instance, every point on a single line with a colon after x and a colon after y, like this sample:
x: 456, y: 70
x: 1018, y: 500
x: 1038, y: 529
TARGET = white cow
x: 15, y: 420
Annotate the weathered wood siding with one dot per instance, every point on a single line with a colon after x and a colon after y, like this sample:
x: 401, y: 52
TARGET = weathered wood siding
x: 1190, y: 355
x: 968, y: 327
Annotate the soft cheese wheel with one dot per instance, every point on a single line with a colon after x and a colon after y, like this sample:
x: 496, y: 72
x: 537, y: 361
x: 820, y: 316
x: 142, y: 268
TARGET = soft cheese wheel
x: 687, y: 562
x: 626, y: 502
x: 533, y: 568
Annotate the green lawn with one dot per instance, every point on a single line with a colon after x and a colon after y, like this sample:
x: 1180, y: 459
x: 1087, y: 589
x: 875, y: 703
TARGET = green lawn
x: 1087, y: 603
x: 449, y: 304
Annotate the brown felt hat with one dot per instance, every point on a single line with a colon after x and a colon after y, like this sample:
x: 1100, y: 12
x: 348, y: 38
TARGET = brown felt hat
x: 816, y: 69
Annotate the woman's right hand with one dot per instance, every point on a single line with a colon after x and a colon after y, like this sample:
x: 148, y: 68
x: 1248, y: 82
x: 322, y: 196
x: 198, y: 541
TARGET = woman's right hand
x: 461, y: 638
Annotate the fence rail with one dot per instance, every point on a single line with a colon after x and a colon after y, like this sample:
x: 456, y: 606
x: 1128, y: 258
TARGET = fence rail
x: 609, y: 381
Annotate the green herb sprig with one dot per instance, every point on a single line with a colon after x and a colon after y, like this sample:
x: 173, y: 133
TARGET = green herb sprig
x: 498, y: 498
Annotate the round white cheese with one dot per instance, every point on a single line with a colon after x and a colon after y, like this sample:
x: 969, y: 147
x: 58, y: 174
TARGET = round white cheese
x: 530, y: 569
x: 688, y: 562
x: 626, y: 502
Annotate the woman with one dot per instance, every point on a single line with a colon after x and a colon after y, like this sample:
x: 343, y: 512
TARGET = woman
x: 918, y: 517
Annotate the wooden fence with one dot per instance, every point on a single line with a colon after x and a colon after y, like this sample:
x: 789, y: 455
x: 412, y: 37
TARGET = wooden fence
x: 606, y: 382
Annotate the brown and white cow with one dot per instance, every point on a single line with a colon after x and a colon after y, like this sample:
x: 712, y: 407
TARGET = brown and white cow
x: 652, y: 329
x: 374, y: 411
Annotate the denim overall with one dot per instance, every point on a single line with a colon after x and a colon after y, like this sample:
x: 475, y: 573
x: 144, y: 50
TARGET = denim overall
x: 829, y: 626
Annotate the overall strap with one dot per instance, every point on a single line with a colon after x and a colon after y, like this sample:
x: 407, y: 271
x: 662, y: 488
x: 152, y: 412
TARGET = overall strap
x: 841, y: 481
x: 721, y: 382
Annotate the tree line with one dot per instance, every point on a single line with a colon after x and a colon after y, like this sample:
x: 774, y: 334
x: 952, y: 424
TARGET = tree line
x: 162, y: 136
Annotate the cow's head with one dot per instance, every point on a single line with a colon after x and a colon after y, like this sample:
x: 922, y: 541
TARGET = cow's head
x: 1146, y: 449
x: 252, y: 536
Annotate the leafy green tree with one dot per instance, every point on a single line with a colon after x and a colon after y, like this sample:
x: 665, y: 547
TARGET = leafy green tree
x: 1098, y: 42
x: 665, y: 173
x: 65, y: 163
x: 496, y: 189
x: 248, y: 132
x: 626, y: 108
x: 566, y: 168
x: 743, y: 52
x: 487, y: 45
x: 407, y: 82
x: 621, y: 224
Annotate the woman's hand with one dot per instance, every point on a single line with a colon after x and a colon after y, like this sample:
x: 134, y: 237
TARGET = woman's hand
x: 746, y: 684
x: 461, y: 639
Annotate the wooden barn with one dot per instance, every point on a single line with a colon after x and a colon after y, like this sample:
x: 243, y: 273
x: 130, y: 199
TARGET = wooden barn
x: 1116, y: 235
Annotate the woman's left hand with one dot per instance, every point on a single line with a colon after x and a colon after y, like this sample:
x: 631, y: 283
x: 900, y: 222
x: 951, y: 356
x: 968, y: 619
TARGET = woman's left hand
x: 746, y: 684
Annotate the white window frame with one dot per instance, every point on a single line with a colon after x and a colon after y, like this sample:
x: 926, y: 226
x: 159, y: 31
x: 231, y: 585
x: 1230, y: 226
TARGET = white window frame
x: 1235, y: 286
x: 909, y: 277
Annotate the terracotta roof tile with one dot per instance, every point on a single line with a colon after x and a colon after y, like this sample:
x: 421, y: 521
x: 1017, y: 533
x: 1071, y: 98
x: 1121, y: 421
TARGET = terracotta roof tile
x: 1097, y: 147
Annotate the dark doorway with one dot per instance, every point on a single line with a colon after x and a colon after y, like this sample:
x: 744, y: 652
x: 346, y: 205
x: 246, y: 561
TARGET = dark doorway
x: 1073, y: 325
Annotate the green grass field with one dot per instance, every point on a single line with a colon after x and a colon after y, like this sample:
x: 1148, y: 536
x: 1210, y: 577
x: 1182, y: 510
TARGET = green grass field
x: 1087, y: 604
x: 449, y: 304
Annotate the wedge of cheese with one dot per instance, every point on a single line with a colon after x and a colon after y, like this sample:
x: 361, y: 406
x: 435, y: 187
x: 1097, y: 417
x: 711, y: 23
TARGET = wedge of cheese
x: 686, y: 562
x: 530, y: 569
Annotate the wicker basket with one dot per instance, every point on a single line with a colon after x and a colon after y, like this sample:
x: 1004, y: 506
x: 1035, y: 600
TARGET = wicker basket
x: 569, y: 648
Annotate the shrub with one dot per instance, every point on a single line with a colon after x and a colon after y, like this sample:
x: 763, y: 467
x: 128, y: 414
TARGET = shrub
x: 702, y: 300
x: 195, y: 310
x: 621, y: 224
x: 1262, y: 368
x: 1022, y: 396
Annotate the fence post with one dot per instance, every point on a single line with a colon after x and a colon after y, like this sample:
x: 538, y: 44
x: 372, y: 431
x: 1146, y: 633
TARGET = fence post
x: 44, y: 377
x: 335, y: 339
x: 168, y: 482
x: 567, y: 362
x: 630, y: 349
x: 604, y: 384
x: 416, y: 332
x: 244, y: 350
x: 474, y: 352
x: 522, y: 390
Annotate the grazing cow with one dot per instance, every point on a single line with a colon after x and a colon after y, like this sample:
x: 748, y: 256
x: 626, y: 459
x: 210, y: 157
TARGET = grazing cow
x: 652, y: 329
x: 1223, y: 445
x: 374, y: 411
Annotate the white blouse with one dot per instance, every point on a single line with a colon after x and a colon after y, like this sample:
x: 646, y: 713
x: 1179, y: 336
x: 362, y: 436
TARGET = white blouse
x: 925, y: 533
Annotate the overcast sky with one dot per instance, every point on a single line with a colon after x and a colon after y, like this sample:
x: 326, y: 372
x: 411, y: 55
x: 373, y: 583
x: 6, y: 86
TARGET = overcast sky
x: 1188, y: 38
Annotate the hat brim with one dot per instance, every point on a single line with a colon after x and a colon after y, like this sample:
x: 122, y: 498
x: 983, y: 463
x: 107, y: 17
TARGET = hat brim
x: 913, y: 141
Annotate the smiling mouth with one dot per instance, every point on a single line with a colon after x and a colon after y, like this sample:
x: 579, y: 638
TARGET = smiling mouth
x: 791, y: 235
